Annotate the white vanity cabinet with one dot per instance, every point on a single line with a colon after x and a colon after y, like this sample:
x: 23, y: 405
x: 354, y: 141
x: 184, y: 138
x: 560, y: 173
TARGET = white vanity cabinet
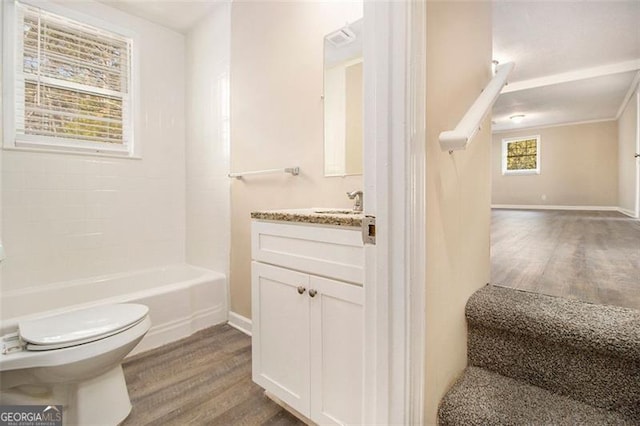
x: 307, y: 310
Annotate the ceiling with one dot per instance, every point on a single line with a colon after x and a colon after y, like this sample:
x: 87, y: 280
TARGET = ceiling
x: 179, y: 15
x: 575, y: 61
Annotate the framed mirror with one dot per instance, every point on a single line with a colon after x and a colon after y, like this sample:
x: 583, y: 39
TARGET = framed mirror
x: 343, y: 101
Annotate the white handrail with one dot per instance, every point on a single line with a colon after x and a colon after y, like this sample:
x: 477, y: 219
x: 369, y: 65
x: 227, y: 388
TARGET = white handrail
x: 295, y: 171
x: 459, y: 138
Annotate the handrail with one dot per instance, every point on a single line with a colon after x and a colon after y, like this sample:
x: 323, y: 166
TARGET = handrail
x: 295, y: 171
x: 459, y: 138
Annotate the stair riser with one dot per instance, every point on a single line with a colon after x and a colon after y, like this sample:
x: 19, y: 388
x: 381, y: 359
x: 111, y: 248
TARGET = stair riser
x: 605, y: 381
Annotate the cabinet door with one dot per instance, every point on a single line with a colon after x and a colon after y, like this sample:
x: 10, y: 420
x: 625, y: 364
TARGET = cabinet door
x: 280, y: 342
x: 336, y: 351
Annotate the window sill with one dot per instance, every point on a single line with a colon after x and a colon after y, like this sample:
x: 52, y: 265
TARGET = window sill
x: 124, y: 156
x: 520, y: 172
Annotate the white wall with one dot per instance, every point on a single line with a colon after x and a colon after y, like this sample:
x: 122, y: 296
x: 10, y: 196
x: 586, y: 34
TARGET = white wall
x: 70, y: 216
x: 628, y: 134
x: 207, y: 150
x: 1, y: 141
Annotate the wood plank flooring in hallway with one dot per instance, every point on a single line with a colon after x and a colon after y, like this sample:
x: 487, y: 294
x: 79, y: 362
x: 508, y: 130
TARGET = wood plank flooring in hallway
x: 202, y: 380
x: 592, y: 256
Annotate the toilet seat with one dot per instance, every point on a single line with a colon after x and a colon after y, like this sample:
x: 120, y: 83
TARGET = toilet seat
x: 80, y: 326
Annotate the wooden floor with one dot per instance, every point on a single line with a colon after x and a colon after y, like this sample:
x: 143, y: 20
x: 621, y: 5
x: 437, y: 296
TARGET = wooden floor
x: 590, y: 256
x: 202, y: 380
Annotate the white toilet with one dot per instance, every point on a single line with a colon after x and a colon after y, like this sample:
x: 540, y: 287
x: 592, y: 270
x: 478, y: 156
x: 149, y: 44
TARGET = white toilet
x: 74, y: 359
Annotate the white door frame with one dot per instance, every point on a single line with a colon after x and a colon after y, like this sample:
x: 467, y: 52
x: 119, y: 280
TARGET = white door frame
x: 394, y: 117
x: 637, y: 96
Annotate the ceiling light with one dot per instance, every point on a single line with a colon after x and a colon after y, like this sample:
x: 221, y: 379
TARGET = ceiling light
x: 517, y: 118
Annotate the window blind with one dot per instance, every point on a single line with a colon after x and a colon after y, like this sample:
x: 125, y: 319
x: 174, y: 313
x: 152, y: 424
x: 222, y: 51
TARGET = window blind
x: 73, y: 81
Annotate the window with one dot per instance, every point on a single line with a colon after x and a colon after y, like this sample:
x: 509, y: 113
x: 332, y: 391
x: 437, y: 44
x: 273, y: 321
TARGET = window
x: 521, y: 155
x: 71, y: 84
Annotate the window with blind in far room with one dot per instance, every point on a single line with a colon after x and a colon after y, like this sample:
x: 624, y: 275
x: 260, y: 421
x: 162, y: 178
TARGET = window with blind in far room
x: 521, y: 155
x: 72, y: 84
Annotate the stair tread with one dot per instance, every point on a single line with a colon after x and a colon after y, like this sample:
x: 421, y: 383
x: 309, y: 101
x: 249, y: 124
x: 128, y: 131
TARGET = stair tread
x: 482, y: 397
x: 608, y: 329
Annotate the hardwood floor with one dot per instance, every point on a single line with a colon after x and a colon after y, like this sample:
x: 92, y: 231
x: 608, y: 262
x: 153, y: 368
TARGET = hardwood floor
x: 584, y: 255
x: 202, y: 380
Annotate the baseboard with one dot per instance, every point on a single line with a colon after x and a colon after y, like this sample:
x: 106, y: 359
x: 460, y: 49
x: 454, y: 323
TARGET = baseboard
x: 239, y: 322
x: 553, y: 207
x: 626, y: 212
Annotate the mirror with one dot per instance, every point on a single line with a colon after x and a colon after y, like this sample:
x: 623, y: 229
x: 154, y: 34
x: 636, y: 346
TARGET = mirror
x: 343, y: 100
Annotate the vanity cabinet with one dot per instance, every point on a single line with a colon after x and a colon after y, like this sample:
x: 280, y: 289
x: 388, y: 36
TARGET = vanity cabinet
x: 308, y: 329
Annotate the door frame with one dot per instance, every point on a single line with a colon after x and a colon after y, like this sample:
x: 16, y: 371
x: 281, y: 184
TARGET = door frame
x: 394, y: 184
x: 637, y: 96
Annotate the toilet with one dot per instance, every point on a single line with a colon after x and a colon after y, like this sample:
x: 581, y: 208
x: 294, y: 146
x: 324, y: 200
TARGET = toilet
x: 74, y: 359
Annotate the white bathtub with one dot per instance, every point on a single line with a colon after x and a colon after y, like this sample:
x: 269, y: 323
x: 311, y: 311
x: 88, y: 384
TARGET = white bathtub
x: 181, y: 298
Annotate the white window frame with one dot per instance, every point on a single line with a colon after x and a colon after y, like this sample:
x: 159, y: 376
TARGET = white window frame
x: 506, y: 142
x: 12, y: 141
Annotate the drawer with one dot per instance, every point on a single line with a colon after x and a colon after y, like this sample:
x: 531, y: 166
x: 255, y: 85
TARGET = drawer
x: 325, y: 251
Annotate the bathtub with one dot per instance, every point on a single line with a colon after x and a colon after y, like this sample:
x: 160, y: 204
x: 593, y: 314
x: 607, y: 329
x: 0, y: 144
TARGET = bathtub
x: 181, y: 299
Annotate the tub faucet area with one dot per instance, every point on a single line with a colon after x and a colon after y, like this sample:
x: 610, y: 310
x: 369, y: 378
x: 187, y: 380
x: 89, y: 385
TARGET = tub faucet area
x: 358, y: 197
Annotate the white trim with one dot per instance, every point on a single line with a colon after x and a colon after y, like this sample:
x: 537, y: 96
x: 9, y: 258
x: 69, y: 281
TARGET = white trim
x: 546, y: 126
x: 394, y: 170
x: 628, y: 95
x: 415, y: 265
x: 239, y: 322
x: 130, y: 149
x: 507, y: 141
x: 8, y: 63
x: 66, y: 144
x: 553, y: 207
x: 50, y: 150
x: 626, y: 212
x: 637, y: 212
x: 376, y: 36
x: 397, y: 199
x: 567, y: 77
x: 83, y: 18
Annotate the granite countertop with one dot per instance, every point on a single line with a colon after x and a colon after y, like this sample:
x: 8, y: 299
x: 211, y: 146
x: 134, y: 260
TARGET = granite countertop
x: 334, y: 217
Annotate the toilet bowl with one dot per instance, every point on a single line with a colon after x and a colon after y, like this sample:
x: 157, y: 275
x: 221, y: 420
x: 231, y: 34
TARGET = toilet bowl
x: 74, y: 360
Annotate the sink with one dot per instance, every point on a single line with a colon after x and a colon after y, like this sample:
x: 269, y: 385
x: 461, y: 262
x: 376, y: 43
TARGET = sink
x: 335, y: 211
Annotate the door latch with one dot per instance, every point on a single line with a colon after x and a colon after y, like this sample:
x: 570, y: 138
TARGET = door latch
x: 369, y: 230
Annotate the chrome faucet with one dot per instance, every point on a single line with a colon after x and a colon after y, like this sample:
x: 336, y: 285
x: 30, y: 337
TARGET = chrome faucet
x: 356, y: 195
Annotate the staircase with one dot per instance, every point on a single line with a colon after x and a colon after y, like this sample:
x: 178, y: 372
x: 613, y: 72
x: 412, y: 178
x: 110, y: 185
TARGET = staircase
x: 542, y: 360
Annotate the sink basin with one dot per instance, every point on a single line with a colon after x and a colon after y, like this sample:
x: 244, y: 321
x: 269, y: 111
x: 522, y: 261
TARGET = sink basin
x: 335, y: 211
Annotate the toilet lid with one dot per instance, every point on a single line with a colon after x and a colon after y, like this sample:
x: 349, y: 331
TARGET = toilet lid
x: 81, y: 326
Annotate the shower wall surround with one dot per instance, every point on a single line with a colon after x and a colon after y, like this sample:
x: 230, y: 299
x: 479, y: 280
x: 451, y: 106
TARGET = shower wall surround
x: 207, y: 149
x: 67, y: 217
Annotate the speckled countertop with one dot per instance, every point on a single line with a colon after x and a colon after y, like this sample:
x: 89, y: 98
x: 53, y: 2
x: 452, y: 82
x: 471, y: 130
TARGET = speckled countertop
x: 332, y: 217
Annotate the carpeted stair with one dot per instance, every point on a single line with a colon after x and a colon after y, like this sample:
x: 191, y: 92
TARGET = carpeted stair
x: 543, y: 360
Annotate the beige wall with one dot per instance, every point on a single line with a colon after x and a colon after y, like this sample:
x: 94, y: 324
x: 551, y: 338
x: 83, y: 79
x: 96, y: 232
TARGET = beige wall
x: 578, y: 167
x: 458, y: 187
x: 276, y: 118
x: 627, y: 132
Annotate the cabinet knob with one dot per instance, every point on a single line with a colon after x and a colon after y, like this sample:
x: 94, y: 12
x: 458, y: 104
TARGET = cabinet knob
x: 301, y: 289
x: 312, y: 292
